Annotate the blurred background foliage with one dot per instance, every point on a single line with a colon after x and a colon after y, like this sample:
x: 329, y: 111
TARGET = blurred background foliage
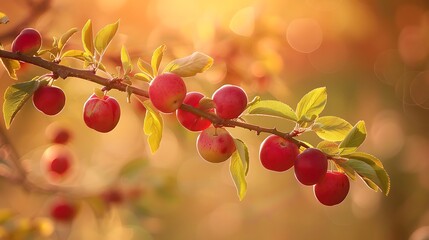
x: 371, y: 55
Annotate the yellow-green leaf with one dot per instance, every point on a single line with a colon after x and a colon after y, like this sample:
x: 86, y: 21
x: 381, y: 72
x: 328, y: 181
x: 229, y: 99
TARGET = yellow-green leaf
x: 330, y: 148
x: 77, y: 54
x: 331, y: 128
x: 370, y: 172
x: 87, y: 38
x: 239, y: 167
x: 3, y: 18
x: 15, y: 97
x: 143, y: 76
x: 152, y: 126
x: 272, y: 108
x: 382, y: 180
x: 105, y: 36
x: 156, y: 58
x: 126, y: 61
x: 342, y: 166
x: 144, y: 67
x: 354, y: 139
x: 11, y: 67
x: 65, y: 38
x: 311, y: 105
x: 191, y: 65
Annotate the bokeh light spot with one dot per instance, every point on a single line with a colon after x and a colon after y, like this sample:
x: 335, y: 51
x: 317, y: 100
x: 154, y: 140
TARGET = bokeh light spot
x: 243, y: 22
x: 304, y: 35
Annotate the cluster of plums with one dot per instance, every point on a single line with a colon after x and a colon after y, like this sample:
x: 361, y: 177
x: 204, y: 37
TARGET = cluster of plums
x: 167, y: 93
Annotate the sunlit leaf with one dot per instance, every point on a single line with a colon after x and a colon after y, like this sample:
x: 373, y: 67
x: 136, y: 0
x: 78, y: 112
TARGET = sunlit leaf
x: 126, y: 61
x: 65, y: 38
x: 105, y: 36
x: 354, y: 139
x: 145, y: 67
x: 311, y: 105
x: 143, y: 76
x: 77, y: 54
x: 11, y: 67
x: 330, y: 148
x: 156, y: 58
x: 273, y: 108
x: 152, y: 126
x: 342, y: 166
x: 382, y: 179
x: 331, y: 128
x: 239, y: 167
x: 3, y: 18
x: 15, y: 97
x: 87, y: 38
x: 191, y: 65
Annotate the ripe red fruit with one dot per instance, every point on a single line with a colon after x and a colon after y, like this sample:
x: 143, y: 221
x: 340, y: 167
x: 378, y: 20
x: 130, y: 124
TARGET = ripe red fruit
x: 215, y: 144
x: 190, y: 120
x: 28, y: 42
x: 230, y: 101
x: 63, y: 210
x: 58, y: 134
x: 310, y: 166
x: 101, y: 114
x: 278, y: 154
x: 332, y: 189
x: 49, y: 99
x: 167, y: 92
x: 57, y: 160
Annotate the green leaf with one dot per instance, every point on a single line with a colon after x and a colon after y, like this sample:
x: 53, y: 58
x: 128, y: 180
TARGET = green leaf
x: 272, y: 108
x: 15, y: 97
x: 382, y: 179
x: 145, y: 67
x: 254, y: 101
x: 65, y: 38
x: 11, y: 67
x: 239, y: 167
x: 143, y: 76
x: 3, y: 18
x: 311, y: 105
x: 126, y: 61
x: 105, y: 36
x: 331, y: 128
x: 152, y: 126
x: 330, y: 148
x: 156, y: 58
x: 342, y: 166
x: 354, y: 139
x: 87, y: 38
x: 77, y: 54
x: 191, y: 65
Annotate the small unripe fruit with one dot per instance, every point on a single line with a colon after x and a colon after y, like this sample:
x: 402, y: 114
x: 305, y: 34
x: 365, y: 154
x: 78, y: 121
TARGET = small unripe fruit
x: 167, y: 92
x: 278, y: 154
x: 190, y: 120
x: 332, y: 189
x: 215, y: 144
x: 49, y: 99
x: 27, y: 42
x: 101, y: 114
x: 230, y: 101
x: 57, y: 161
x: 58, y: 134
x: 310, y: 166
x: 63, y: 210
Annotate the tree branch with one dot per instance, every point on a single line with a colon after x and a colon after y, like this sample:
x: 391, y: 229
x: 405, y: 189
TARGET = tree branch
x: 65, y: 72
